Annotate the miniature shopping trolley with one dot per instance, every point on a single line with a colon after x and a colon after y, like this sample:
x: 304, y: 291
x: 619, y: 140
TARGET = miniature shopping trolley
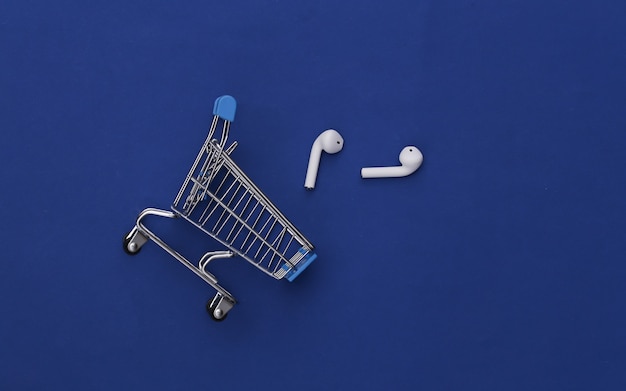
x: 220, y: 200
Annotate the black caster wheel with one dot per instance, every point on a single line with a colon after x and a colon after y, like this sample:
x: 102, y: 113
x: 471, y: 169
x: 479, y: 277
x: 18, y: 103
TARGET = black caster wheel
x: 211, y: 312
x: 127, y: 248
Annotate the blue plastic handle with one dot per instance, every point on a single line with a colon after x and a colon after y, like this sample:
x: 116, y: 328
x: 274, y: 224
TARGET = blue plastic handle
x: 225, y: 107
x: 215, y: 105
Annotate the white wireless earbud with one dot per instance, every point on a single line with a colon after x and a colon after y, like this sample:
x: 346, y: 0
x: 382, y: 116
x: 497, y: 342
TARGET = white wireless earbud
x: 411, y: 159
x: 329, y: 141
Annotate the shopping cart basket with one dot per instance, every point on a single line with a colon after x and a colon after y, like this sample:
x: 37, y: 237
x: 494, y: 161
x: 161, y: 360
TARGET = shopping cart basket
x: 219, y: 199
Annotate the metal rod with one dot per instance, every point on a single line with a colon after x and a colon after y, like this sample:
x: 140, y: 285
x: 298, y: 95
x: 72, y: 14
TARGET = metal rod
x: 166, y: 213
x: 195, y: 163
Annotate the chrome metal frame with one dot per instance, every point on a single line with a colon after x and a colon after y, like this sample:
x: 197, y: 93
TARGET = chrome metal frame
x: 221, y: 200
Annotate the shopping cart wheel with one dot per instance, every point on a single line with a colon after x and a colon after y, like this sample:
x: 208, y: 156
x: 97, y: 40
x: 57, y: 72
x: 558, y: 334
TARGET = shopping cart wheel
x: 216, y: 314
x: 133, y: 241
x: 127, y: 247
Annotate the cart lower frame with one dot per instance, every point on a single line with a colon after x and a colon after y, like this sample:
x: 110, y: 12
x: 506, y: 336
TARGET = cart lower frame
x: 223, y: 300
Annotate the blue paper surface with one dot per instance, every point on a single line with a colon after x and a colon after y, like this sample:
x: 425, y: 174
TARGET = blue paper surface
x: 498, y: 265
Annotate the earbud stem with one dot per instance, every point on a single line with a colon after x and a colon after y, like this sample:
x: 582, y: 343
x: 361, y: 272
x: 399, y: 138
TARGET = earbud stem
x: 311, y: 171
x: 385, y: 172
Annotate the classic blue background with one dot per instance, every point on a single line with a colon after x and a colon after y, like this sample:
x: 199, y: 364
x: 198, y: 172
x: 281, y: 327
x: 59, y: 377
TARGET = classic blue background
x: 499, y: 265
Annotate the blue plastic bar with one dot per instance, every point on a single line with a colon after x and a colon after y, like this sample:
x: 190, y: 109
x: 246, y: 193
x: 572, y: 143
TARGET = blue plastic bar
x: 225, y: 107
x: 299, y: 268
